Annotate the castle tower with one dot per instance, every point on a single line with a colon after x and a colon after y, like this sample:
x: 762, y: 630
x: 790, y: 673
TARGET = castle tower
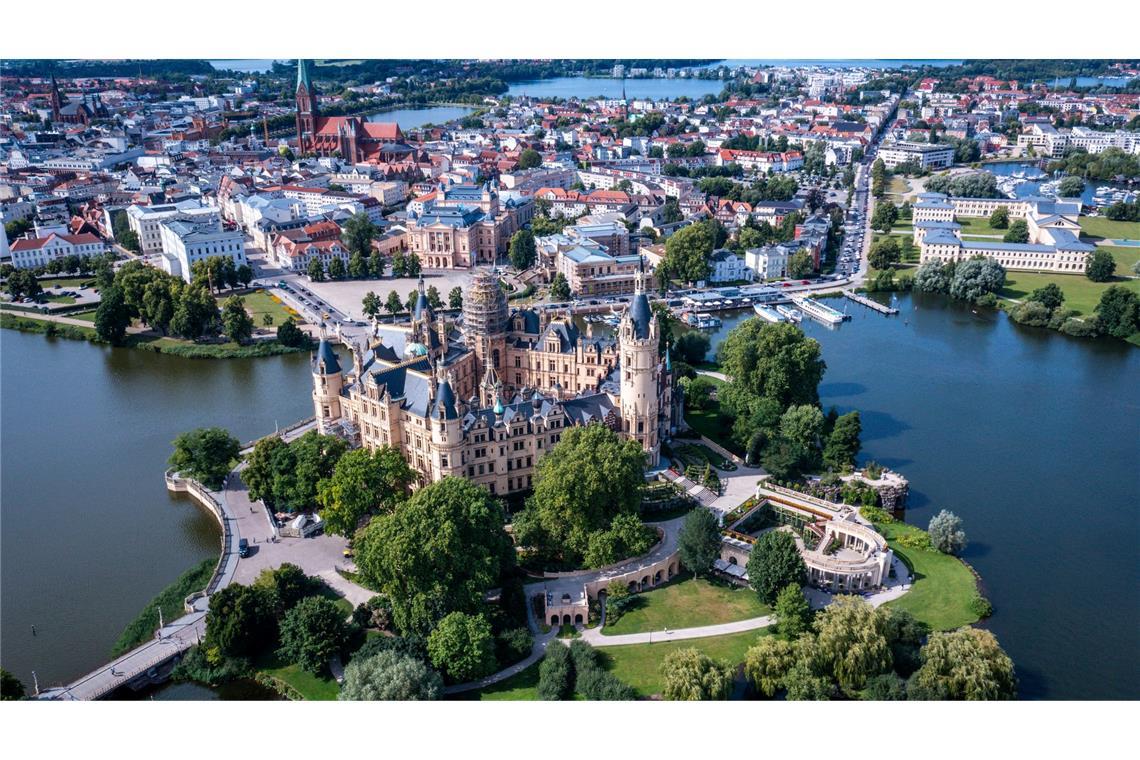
x: 327, y: 383
x: 306, y: 106
x: 485, y: 315
x: 490, y: 388
x: 638, y: 336
x: 446, y: 429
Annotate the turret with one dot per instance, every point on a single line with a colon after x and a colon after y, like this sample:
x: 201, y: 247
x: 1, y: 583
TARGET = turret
x: 446, y: 428
x: 328, y: 380
x: 638, y: 337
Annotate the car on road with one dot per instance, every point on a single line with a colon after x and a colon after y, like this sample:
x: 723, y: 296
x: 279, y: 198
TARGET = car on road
x: 243, y: 548
x: 805, y: 282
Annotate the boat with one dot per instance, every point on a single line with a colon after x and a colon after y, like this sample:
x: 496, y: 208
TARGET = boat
x: 790, y: 314
x: 767, y: 313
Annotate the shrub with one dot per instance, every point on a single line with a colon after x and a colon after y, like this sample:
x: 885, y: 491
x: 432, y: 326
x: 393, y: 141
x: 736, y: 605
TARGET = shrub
x: 981, y: 606
x: 946, y: 534
x: 390, y: 675
x: 513, y: 645
x: 556, y: 673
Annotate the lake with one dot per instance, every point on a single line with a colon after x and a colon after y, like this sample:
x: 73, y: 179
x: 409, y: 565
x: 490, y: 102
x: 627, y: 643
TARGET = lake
x: 1030, y: 436
x: 608, y: 87
x: 835, y: 63
x: 246, y: 65
x: 1033, y: 186
x: 414, y: 118
x: 88, y: 532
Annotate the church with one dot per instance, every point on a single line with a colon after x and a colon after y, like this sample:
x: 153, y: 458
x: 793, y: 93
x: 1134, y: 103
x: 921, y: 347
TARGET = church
x: 350, y: 138
x: 486, y: 400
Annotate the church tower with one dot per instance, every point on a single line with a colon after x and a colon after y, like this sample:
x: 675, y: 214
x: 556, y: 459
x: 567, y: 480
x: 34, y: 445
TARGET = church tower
x: 56, y: 102
x: 327, y: 383
x: 306, y: 106
x: 638, y: 336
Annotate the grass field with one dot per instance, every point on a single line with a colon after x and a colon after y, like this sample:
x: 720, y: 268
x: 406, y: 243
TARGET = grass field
x: 1124, y: 256
x: 259, y: 303
x: 311, y: 687
x: 1080, y: 292
x: 1102, y: 227
x: 978, y: 225
x: 687, y: 603
x: 943, y: 586
x: 898, y: 186
x: 67, y: 282
x: 639, y: 664
x: 86, y: 316
x: 521, y: 687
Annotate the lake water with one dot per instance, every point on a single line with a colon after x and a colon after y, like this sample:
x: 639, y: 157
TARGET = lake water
x: 88, y: 532
x: 1064, y: 82
x: 1031, y: 437
x: 835, y: 63
x: 607, y: 87
x: 1033, y: 186
x: 414, y: 118
x: 246, y: 65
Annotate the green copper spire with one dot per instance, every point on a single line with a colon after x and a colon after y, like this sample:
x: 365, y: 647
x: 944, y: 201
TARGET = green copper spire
x: 303, y: 75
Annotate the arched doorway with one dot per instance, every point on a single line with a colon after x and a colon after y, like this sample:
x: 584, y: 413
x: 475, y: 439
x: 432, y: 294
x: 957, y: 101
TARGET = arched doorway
x: 565, y: 620
x: 554, y: 620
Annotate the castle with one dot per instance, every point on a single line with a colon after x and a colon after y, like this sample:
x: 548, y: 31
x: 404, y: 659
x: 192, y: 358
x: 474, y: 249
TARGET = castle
x: 486, y: 400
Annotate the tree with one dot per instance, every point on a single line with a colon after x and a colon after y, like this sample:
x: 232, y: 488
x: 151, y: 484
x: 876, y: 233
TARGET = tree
x: 22, y: 283
x: 776, y: 361
x: 312, y: 632
x: 376, y: 265
x: 975, y: 277
x: 455, y: 298
x: 965, y: 664
x: 316, y: 270
x: 690, y: 675
x: 112, y: 316
x: 1070, y: 187
x: 437, y: 553
x: 560, y: 288
x: 244, y: 274
x: 129, y: 239
x: 687, y: 253
x: 1118, y: 311
x: 463, y: 647
x: 522, y: 251
x: 804, y: 684
x: 699, y: 541
x: 289, y: 584
x: 236, y: 322
x: 792, y: 611
x: 394, y: 305
x: 905, y: 635
x: 884, y: 253
x: 934, y: 277
x: 999, y: 219
x: 358, y: 233
x: 358, y: 267
x: 412, y: 265
x: 774, y: 564
x: 433, y: 297
x: 1050, y: 296
x: 590, y: 476
x: 698, y: 391
x: 884, y: 688
x: 399, y: 264
x: 337, y: 270
x: 766, y: 664
x: 1101, y: 266
x: 10, y: 687
x: 241, y: 620
x: 529, y: 159
x: 851, y: 638
x: 410, y: 303
x: 885, y: 216
x: 363, y: 483
x: 800, y: 264
x: 1018, y: 232
x: 946, y: 534
x: 288, y: 334
x: 556, y: 674
x: 843, y: 445
x: 206, y: 454
x: 370, y: 304
x: 196, y: 313
x: 390, y: 676
x: 692, y: 347
x: 803, y: 425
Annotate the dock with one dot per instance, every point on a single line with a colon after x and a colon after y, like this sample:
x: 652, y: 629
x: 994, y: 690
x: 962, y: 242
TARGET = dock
x: 874, y: 305
x: 819, y: 311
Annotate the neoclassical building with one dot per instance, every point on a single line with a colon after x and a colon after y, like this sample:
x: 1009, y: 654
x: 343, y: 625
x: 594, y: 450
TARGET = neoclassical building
x: 485, y: 400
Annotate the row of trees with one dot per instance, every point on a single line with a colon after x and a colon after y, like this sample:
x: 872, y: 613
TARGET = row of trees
x: 372, y: 305
x: 976, y: 279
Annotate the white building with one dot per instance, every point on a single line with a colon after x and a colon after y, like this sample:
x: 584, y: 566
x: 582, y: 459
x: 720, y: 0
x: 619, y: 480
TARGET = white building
x: 923, y: 155
x: 769, y: 262
x: 726, y: 266
x: 185, y: 242
x: 29, y: 253
x: 146, y: 221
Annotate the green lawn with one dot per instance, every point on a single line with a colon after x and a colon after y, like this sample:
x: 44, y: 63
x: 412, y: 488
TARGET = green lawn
x: 310, y: 687
x: 639, y: 664
x: 521, y: 687
x: 1124, y: 256
x: 259, y: 303
x: 69, y: 283
x: 1081, y: 293
x: 688, y: 603
x: 898, y: 186
x: 170, y: 600
x: 1102, y: 227
x: 943, y: 586
x: 978, y: 225
x: 86, y: 316
x: 59, y: 299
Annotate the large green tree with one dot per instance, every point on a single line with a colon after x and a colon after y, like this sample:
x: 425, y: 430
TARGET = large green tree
x: 463, y: 647
x: 851, y: 638
x: 312, y: 632
x: 390, y: 676
x: 1118, y: 311
x: 588, y: 478
x: 522, y: 250
x: 975, y: 277
x: 699, y: 541
x: 690, y: 675
x: 766, y: 664
x: 285, y: 476
x: 112, y: 317
x: 529, y: 159
x: 363, y: 483
x: 792, y: 611
x: 1018, y: 232
x: 776, y: 361
x: 206, y: 454
x: 236, y: 322
x: 966, y: 664
x: 241, y: 620
x: 438, y: 552
x: 1101, y: 266
x: 843, y: 445
x: 687, y: 253
x: 358, y: 232
x: 10, y: 687
x: 946, y: 534
x: 775, y: 563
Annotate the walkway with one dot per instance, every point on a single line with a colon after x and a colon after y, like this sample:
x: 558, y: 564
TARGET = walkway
x: 595, y: 637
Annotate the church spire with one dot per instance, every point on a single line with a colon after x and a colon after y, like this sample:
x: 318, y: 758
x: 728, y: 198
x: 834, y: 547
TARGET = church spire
x: 303, y: 75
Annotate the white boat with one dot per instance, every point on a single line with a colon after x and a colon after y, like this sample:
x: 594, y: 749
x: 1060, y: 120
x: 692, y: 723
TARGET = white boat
x: 765, y: 312
x: 790, y: 314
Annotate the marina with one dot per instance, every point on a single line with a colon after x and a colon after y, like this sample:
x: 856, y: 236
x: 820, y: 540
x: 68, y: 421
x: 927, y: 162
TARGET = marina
x: 874, y: 305
x: 819, y: 311
x: 768, y: 313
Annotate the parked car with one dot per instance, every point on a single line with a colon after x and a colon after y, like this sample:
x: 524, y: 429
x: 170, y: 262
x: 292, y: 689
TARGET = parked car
x: 243, y: 548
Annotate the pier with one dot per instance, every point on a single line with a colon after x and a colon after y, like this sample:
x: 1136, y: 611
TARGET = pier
x: 875, y: 305
x: 819, y: 311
